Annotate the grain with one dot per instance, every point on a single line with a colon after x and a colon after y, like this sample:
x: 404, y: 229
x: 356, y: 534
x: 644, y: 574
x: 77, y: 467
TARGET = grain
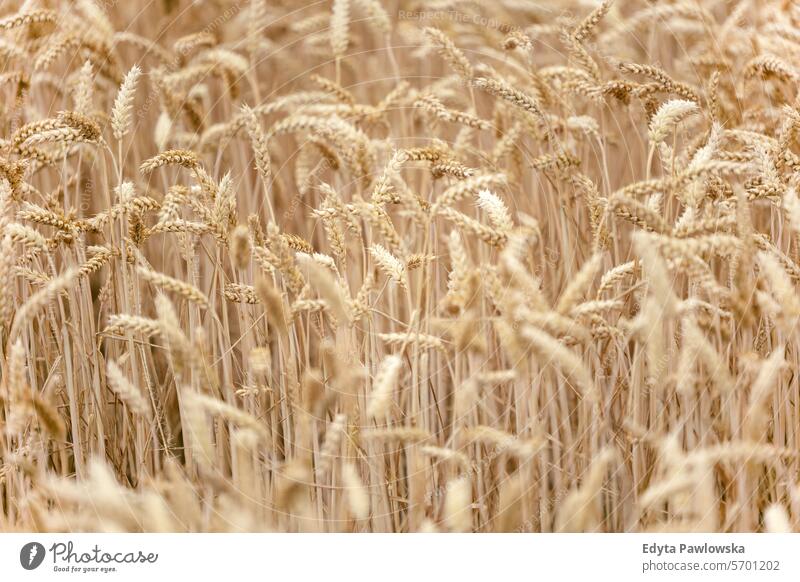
x: 186, y: 290
x: 340, y: 269
x: 126, y: 392
x: 457, y: 505
x: 389, y: 264
x: 357, y: 496
x: 123, y: 103
x: 384, y: 386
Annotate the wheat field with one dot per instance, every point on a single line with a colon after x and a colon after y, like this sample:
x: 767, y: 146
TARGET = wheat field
x: 398, y: 266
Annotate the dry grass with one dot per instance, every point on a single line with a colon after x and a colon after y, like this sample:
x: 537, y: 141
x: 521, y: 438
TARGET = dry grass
x: 361, y: 267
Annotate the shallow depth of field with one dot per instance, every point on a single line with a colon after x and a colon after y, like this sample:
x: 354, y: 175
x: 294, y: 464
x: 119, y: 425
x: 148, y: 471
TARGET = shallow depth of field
x: 396, y: 266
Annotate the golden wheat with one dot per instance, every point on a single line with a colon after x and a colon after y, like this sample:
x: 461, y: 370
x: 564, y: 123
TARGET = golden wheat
x: 272, y: 267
